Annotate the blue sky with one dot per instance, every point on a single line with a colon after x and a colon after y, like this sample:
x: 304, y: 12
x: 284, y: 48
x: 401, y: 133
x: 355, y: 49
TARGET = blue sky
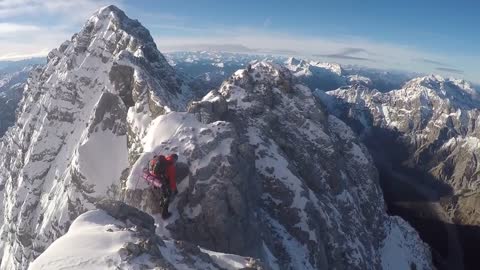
x: 425, y: 36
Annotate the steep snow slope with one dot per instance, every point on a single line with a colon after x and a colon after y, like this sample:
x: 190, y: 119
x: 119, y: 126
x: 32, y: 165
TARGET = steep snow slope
x: 68, y: 147
x: 270, y: 175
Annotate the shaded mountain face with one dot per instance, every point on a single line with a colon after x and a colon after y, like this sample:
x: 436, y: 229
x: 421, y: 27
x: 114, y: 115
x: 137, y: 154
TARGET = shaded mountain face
x: 264, y: 171
x: 270, y: 175
x: 425, y: 140
x: 12, y: 82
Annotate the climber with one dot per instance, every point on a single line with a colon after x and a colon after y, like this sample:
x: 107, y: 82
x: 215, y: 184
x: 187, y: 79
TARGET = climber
x: 164, y: 170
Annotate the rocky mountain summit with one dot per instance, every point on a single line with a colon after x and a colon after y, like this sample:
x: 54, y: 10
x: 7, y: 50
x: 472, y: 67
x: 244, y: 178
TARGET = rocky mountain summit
x: 264, y: 171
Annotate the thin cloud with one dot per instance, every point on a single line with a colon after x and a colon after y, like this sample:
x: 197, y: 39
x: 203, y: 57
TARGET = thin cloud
x: 280, y: 51
x: 233, y: 48
x: 9, y: 28
x: 347, y: 54
x: 433, y: 62
x: 76, y: 11
x: 348, y: 51
x: 345, y: 57
x: 215, y: 47
x: 451, y: 70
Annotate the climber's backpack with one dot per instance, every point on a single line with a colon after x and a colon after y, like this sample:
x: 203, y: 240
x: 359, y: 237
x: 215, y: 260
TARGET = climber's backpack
x: 158, y: 166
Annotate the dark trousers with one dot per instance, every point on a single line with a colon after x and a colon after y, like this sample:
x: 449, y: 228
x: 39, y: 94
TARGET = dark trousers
x: 162, y: 195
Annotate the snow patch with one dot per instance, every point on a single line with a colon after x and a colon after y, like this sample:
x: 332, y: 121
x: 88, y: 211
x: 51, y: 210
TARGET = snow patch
x: 101, y: 159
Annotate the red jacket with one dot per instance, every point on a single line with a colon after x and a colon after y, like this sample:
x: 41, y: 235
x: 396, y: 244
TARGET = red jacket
x: 172, y: 173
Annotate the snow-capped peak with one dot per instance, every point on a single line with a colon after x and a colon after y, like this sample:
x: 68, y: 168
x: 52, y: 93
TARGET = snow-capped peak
x: 263, y: 71
x: 71, y: 129
x: 292, y: 61
x: 459, y: 92
x: 333, y: 67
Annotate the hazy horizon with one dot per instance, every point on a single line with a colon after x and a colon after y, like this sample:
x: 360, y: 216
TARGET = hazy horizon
x: 429, y: 37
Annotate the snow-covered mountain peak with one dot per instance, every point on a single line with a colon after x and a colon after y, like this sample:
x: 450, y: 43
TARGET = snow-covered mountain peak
x: 296, y: 65
x: 458, y: 93
x: 264, y: 72
x: 333, y: 67
x: 72, y: 128
x: 110, y: 19
x: 292, y: 61
x: 109, y: 42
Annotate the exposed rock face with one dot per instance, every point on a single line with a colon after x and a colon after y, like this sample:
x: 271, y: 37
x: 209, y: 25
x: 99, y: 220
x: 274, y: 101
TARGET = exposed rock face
x: 122, y: 237
x: 275, y: 177
x: 69, y: 148
x: 425, y: 138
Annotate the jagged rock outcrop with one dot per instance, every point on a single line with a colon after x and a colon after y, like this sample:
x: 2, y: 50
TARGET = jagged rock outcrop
x: 274, y: 176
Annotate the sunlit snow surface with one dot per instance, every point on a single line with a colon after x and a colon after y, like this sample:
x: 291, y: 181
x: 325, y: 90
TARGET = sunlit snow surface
x: 95, y: 239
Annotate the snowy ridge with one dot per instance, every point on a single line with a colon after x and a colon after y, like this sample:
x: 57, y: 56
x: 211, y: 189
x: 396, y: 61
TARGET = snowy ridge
x: 104, y: 242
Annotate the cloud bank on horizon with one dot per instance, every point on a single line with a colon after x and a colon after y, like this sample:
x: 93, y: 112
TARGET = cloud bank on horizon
x: 30, y: 28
